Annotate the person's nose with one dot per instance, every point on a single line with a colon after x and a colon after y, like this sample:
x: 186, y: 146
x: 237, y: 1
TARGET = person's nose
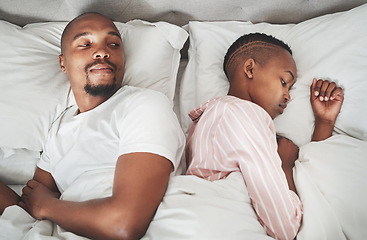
x: 101, y: 53
x: 287, y: 96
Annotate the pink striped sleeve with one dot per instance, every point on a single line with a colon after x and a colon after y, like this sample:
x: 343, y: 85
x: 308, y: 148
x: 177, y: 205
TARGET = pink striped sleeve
x: 245, y: 136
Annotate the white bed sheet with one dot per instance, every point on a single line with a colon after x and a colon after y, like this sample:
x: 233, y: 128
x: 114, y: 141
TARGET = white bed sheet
x: 332, y: 182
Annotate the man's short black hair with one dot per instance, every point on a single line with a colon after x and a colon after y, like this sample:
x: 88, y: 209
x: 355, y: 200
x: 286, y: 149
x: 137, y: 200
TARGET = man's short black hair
x: 67, y: 27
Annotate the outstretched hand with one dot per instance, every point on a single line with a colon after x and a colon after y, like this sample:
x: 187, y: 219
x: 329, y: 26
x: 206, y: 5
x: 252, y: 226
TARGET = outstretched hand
x: 326, y: 100
x: 34, y: 198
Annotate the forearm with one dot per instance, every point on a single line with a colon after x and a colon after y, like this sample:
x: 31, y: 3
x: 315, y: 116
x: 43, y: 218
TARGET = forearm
x: 95, y: 219
x: 323, y: 129
x: 277, y: 207
x: 140, y: 182
x: 7, y: 197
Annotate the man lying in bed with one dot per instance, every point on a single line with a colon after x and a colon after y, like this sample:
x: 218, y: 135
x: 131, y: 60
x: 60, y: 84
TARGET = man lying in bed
x: 236, y: 132
x: 131, y: 134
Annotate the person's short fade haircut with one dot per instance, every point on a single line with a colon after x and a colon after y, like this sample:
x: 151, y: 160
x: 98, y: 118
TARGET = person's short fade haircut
x: 253, y: 45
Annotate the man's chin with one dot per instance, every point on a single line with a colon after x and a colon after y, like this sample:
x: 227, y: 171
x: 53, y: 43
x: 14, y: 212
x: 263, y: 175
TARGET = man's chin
x: 102, y: 90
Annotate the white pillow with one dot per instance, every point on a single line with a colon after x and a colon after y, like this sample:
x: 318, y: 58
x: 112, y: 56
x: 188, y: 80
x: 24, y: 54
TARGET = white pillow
x: 33, y: 90
x: 330, y: 47
x: 152, y: 53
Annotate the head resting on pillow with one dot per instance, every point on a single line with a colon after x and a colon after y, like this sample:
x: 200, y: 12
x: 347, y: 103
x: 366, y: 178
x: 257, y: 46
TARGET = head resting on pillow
x: 261, y: 69
x: 71, y: 23
x: 92, y: 56
x: 251, y: 45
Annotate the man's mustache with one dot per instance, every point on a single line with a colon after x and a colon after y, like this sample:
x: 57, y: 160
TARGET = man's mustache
x: 99, y: 61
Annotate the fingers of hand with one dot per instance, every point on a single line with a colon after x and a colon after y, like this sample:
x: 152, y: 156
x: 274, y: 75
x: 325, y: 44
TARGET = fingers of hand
x: 26, y: 190
x: 32, y: 183
x: 325, y: 90
x: 314, y: 91
x: 321, y: 88
x: 338, y: 94
x: 22, y: 205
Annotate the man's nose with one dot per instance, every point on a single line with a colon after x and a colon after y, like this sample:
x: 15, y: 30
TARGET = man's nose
x: 101, y: 53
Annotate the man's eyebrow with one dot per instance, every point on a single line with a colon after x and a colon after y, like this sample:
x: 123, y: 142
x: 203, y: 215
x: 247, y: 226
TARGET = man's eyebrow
x: 81, y: 35
x: 88, y: 33
x: 114, y: 34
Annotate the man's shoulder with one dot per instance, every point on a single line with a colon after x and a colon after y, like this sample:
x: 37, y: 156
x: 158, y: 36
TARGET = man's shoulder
x: 135, y: 99
x: 139, y: 93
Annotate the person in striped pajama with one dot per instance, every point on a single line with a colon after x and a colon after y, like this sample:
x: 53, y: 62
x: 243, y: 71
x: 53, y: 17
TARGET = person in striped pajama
x: 236, y: 133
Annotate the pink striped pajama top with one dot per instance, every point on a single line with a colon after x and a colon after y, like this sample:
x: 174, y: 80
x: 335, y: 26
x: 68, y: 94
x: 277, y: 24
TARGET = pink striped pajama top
x: 234, y: 135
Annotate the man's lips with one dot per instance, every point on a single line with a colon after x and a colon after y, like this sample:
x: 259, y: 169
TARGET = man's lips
x: 101, y: 69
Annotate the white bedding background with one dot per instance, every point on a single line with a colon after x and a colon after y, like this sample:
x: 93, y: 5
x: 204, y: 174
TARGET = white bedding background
x: 331, y: 180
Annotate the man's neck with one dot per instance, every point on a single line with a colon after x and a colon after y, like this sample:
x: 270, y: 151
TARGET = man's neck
x: 88, y: 102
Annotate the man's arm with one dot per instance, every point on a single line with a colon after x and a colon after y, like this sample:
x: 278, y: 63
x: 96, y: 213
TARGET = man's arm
x: 326, y: 100
x: 44, y: 179
x: 8, y: 197
x: 139, y: 185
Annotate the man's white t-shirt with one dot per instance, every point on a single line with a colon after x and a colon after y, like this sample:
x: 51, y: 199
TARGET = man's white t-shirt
x: 132, y: 120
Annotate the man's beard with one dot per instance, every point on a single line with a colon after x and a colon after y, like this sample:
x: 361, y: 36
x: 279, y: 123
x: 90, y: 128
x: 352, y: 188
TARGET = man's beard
x: 100, y: 90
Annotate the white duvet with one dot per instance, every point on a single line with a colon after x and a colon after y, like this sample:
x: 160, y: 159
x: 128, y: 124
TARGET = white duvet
x: 330, y: 177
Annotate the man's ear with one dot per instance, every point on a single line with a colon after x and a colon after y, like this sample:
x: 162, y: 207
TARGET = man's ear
x: 61, y: 61
x: 248, y: 67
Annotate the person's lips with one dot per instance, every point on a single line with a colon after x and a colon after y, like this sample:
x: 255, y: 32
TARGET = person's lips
x: 282, y: 107
x: 101, y: 68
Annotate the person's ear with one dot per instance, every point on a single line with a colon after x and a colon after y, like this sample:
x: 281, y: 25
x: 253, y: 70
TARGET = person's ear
x: 248, y: 67
x: 61, y: 61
